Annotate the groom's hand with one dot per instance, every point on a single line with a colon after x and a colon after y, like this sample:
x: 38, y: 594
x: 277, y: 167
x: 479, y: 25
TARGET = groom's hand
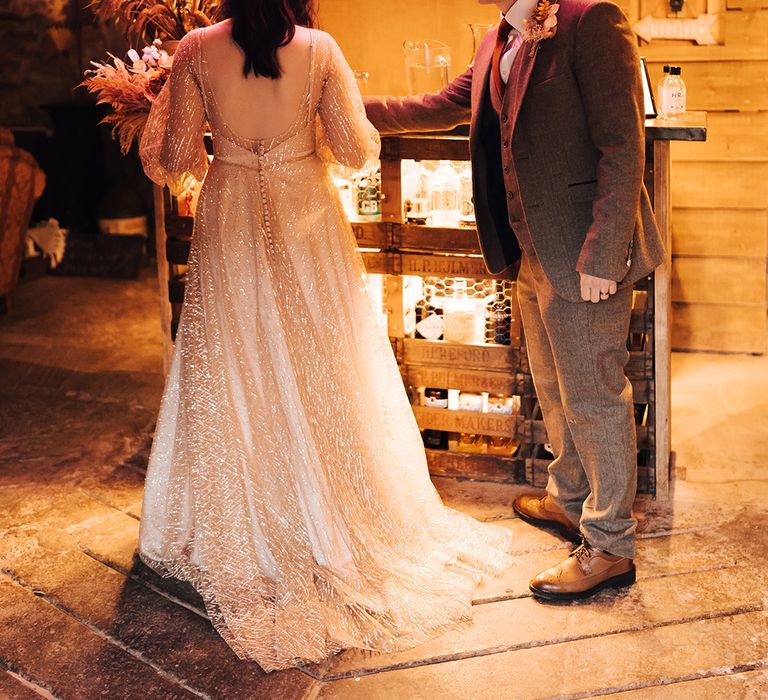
x: 596, y: 289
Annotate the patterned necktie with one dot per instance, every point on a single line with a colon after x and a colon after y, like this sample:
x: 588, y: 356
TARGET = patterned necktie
x: 501, y: 42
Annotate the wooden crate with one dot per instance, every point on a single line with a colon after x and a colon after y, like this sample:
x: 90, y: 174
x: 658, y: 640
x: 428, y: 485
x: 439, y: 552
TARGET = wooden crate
x: 405, y: 249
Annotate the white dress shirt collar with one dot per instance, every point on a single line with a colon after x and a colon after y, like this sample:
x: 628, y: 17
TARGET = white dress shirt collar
x: 522, y: 9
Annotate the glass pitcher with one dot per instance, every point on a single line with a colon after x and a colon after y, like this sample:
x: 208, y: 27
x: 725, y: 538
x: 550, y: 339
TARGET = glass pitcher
x: 427, y: 64
x: 478, y: 33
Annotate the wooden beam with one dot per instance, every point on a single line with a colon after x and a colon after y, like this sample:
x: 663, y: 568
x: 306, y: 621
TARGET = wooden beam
x: 662, y: 320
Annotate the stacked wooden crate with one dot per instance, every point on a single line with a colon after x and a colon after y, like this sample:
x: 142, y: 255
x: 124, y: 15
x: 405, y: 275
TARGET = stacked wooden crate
x: 398, y: 249
x: 720, y: 188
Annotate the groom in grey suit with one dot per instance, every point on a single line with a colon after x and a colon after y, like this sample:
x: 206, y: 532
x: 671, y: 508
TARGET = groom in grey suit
x: 555, y: 106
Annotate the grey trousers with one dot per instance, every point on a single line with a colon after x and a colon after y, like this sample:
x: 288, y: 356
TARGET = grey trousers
x: 577, y: 354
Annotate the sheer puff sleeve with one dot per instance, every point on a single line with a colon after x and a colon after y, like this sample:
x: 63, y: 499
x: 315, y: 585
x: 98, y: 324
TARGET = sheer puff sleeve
x: 344, y: 133
x: 172, y: 149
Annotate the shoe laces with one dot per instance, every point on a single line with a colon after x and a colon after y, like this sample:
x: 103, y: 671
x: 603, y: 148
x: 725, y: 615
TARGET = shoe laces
x: 583, y: 552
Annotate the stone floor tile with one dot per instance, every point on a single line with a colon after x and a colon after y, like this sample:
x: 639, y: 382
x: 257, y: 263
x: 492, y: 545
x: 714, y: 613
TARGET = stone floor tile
x: 55, y: 651
x: 115, y: 543
x: 483, y: 500
x: 525, y: 623
x: 725, y: 685
x: 170, y: 636
x: 740, y: 542
x: 575, y: 669
x: 14, y: 687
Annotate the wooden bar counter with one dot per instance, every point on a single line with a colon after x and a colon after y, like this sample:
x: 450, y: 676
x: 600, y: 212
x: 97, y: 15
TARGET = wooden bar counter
x: 399, y: 250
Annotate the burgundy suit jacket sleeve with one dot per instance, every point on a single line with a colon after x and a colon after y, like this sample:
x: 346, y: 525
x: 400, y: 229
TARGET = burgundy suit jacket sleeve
x: 606, y: 66
x: 432, y: 112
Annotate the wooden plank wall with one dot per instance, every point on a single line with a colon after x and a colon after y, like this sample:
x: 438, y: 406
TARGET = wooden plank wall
x: 719, y: 188
x: 371, y: 34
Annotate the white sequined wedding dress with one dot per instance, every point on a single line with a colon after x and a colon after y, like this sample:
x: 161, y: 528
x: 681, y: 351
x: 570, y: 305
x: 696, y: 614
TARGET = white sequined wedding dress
x: 288, y: 481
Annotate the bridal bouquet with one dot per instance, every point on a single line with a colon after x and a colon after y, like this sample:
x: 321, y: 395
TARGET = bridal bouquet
x: 129, y: 88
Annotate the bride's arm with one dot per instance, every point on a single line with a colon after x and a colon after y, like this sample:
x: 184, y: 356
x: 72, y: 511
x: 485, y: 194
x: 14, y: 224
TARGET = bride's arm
x: 172, y: 147
x: 346, y: 131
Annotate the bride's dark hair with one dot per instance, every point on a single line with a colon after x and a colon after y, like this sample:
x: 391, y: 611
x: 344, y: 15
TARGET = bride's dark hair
x: 261, y: 27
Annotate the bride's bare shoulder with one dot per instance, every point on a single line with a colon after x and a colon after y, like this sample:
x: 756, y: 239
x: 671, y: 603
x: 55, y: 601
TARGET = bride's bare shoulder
x: 214, y: 32
x: 303, y: 35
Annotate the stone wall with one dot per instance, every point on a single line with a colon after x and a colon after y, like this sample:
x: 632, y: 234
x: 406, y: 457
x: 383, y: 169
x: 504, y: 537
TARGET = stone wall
x: 45, y: 45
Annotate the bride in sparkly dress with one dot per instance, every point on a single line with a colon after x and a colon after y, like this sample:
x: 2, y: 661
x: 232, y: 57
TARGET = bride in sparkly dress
x: 288, y: 480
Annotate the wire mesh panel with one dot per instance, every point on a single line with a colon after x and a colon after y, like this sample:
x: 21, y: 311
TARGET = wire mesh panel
x: 491, y: 304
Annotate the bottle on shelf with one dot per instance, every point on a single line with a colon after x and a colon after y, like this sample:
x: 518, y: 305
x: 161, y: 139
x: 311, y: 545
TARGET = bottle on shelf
x: 445, y: 195
x: 470, y: 401
x: 659, y: 88
x: 502, y: 445
x: 464, y: 318
x: 369, y: 194
x: 435, y: 439
x: 504, y: 404
x: 416, y: 192
x: 466, y: 201
x: 429, y: 323
x: 469, y: 442
x: 673, y: 95
x: 435, y: 398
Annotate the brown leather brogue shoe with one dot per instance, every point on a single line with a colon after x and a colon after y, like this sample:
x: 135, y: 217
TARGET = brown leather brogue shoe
x: 544, y: 513
x: 585, y: 572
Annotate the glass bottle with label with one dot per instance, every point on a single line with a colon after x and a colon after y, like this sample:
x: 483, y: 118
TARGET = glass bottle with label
x: 446, y: 193
x: 369, y: 194
x: 464, y: 318
x: 501, y: 403
x: 673, y: 95
x: 466, y: 201
x: 469, y: 442
x: 502, y: 445
x: 659, y: 87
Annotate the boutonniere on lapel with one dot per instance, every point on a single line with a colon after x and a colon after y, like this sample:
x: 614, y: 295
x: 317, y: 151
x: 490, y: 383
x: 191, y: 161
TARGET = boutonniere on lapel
x: 541, y: 25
